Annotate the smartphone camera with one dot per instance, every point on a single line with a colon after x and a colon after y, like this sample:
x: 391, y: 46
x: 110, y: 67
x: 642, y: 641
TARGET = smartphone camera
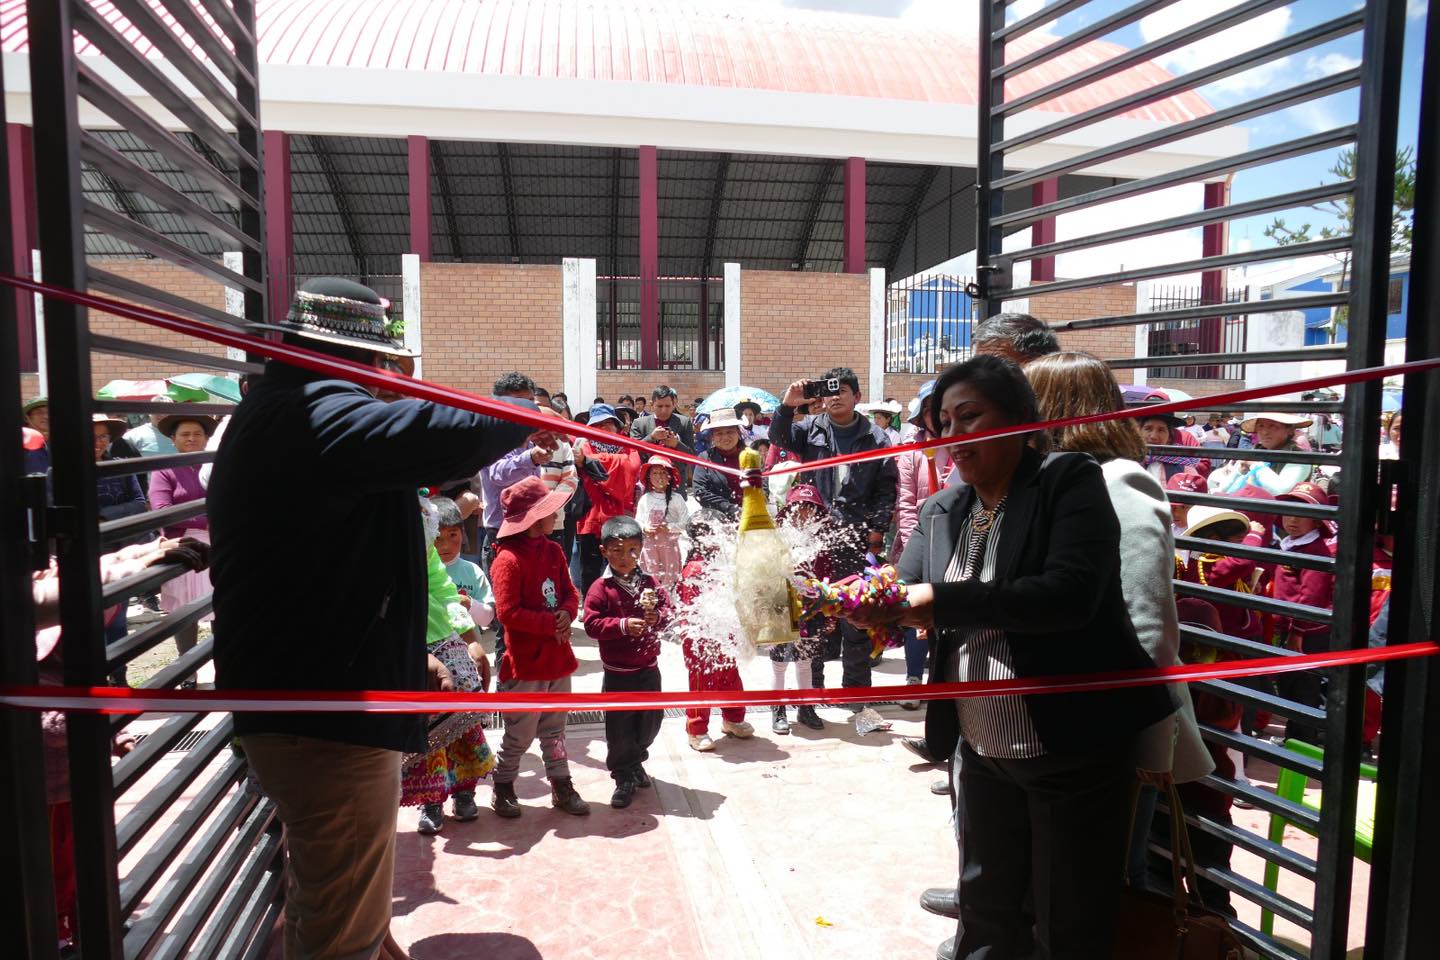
x: 822, y: 388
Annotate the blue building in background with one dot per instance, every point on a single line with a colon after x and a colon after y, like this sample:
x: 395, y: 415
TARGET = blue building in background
x: 1318, y: 319
x: 928, y: 323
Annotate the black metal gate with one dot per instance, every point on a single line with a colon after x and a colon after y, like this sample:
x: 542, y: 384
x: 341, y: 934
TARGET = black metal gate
x: 174, y: 856
x: 1402, y: 895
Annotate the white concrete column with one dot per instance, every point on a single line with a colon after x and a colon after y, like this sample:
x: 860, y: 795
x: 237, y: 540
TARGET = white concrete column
x: 414, y: 309
x: 875, y: 389
x: 732, y: 324
x: 578, y: 328
x: 1140, y: 376
x: 234, y: 304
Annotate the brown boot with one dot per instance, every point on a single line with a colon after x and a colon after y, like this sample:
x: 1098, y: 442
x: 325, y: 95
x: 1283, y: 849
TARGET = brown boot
x: 503, y: 800
x: 564, y: 797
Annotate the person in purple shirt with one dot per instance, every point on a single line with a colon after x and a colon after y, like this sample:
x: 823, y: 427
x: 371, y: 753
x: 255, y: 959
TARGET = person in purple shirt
x: 510, y: 469
x: 173, y: 486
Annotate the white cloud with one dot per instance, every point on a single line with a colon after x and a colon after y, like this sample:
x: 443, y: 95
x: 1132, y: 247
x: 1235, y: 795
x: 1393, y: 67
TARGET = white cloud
x: 963, y: 16
x: 1323, y: 65
x: 1415, y: 9
x: 1252, y: 33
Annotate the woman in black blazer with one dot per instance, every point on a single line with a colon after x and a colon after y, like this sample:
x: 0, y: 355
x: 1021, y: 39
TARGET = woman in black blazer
x: 1016, y: 573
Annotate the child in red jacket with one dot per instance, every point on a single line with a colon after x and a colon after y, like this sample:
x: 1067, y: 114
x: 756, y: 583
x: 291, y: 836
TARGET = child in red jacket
x: 625, y: 610
x: 610, y: 473
x: 1314, y: 588
x: 536, y: 603
x: 710, y: 667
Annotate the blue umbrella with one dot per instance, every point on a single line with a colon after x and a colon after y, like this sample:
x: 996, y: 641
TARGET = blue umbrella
x: 732, y: 396
x: 1390, y: 401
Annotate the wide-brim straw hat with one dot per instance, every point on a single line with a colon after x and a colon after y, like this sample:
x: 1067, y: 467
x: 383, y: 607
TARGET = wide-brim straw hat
x: 335, y: 310
x: 723, y: 417
x: 169, y: 424
x: 1201, y: 517
x: 1284, y: 419
x: 113, y: 425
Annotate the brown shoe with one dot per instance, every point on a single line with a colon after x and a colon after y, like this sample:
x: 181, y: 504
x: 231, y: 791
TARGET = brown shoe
x: 504, y: 802
x: 564, y: 797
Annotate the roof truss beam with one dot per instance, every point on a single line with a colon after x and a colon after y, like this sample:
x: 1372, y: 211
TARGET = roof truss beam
x: 910, y: 220
x: 512, y: 222
x: 717, y: 196
x: 447, y: 200
x: 812, y: 212
x: 342, y: 205
x: 616, y: 164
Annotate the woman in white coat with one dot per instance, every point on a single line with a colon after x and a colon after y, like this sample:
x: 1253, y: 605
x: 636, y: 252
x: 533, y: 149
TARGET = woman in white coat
x: 1078, y: 384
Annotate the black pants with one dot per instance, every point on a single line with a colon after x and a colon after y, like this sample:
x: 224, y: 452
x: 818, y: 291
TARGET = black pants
x: 592, y: 562
x: 629, y: 733
x: 487, y: 556
x: 1055, y: 826
x: 854, y: 659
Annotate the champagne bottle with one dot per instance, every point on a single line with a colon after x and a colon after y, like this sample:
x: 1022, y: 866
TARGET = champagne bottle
x: 766, y: 603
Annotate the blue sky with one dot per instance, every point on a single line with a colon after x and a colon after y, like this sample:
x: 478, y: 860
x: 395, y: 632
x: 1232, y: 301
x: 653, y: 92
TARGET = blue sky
x: 1317, y: 115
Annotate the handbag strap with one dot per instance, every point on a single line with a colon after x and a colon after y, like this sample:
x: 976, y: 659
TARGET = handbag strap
x: 1181, y: 852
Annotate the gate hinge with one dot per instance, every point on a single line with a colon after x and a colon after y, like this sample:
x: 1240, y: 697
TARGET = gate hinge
x: 992, y: 278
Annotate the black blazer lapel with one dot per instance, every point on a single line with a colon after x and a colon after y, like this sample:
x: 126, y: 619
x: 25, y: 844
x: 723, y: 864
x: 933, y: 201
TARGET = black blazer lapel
x: 1019, y: 510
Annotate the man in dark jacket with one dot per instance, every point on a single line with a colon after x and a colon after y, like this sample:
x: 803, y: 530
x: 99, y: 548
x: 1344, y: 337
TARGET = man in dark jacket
x: 329, y: 593
x: 861, y: 495
x: 663, y: 426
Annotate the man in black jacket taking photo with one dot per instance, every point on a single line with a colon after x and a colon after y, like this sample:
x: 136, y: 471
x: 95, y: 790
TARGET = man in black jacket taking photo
x: 861, y: 496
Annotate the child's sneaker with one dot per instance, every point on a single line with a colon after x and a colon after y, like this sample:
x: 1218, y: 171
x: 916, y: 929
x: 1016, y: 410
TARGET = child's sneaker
x: 624, y: 793
x: 465, y: 808
x: 563, y: 797
x: 781, y: 723
x: 910, y: 704
x: 740, y: 731
x: 701, y: 742
x: 432, y: 818
x: 504, y: 802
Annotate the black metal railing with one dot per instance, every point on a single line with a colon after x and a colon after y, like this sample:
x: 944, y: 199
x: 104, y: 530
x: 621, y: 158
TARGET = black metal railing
x: 1208, y: 330
x: 1180, y: 338
x: 690, y: 327
x: 173, y: 855
x: 928, y: 321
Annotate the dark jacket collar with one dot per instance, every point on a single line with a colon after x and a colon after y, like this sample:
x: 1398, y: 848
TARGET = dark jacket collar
x: 1019, y: 508
x: 822, y: 432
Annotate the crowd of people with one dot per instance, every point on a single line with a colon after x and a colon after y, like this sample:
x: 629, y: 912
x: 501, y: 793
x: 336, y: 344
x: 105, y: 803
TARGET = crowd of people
x: 1046, y: 553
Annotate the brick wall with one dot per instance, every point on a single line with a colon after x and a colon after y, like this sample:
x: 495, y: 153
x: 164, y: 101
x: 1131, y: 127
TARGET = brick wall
x: 799, y: 324
x: 690, y: 384
x: 1108, y: 343
x: 171, y: 279
x: 904, y: 386
x: 29, y: 385
x: 481, y: 320
x: 1197, y: 388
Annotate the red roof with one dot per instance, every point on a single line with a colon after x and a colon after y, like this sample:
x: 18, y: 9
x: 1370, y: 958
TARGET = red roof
x: 695, y: 44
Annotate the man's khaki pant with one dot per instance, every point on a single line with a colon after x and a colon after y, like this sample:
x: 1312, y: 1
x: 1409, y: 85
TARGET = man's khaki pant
x: 338, y: 803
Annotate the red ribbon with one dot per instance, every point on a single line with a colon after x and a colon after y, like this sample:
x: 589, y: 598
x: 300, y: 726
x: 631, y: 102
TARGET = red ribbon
x: 124, y: 700
x: 461, y: 399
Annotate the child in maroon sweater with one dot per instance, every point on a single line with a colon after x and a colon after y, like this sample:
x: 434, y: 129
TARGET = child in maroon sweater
x: 536, y: 603
x: 1314, y: 588
x: 625, y: 610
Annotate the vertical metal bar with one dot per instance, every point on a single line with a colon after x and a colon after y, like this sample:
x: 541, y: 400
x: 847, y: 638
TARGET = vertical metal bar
x: 1404, y: 887
x: 76, y: 517
x: 250, y: 138
x: 854, y: 216
x: 989, y: 203
x: 27, y: 910
x: 20, y: 182
x: 1214, y: 239
x: 1043, y: 230
x: 419, y: 175
x: 649, y: 258
x: 702, y: 328
x: 279, y: 221
x: 1374, y: 194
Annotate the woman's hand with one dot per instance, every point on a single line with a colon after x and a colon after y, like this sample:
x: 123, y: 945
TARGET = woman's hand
x: 438, y: 675
x: 918, y: 611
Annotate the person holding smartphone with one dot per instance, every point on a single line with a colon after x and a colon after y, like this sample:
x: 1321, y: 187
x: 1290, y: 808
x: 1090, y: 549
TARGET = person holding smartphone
x: 861, y: 496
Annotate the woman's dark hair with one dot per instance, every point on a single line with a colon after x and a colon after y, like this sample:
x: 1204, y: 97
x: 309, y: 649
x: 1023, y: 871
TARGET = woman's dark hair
x: 1000, y: 381
x: 340, y: 351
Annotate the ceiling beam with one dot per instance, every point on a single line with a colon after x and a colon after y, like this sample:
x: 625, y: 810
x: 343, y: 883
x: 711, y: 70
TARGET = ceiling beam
x: 124, y: 199
x: 910, y: 219
x: 511, y: 221
x: 812, y: 211
x: 342, y: 205
x: 447, y: 202
x: 717, y: 195
x: 616, y: 164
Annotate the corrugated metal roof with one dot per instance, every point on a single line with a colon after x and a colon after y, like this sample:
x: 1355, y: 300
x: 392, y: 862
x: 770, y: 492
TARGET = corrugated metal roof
x: 708, y: 44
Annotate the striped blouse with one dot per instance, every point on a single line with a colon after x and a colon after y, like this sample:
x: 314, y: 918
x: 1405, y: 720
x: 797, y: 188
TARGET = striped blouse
x: 992, y: 726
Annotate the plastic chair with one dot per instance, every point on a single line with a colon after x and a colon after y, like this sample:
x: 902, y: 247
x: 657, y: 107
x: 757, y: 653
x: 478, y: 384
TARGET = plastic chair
x: 1291, y: 786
